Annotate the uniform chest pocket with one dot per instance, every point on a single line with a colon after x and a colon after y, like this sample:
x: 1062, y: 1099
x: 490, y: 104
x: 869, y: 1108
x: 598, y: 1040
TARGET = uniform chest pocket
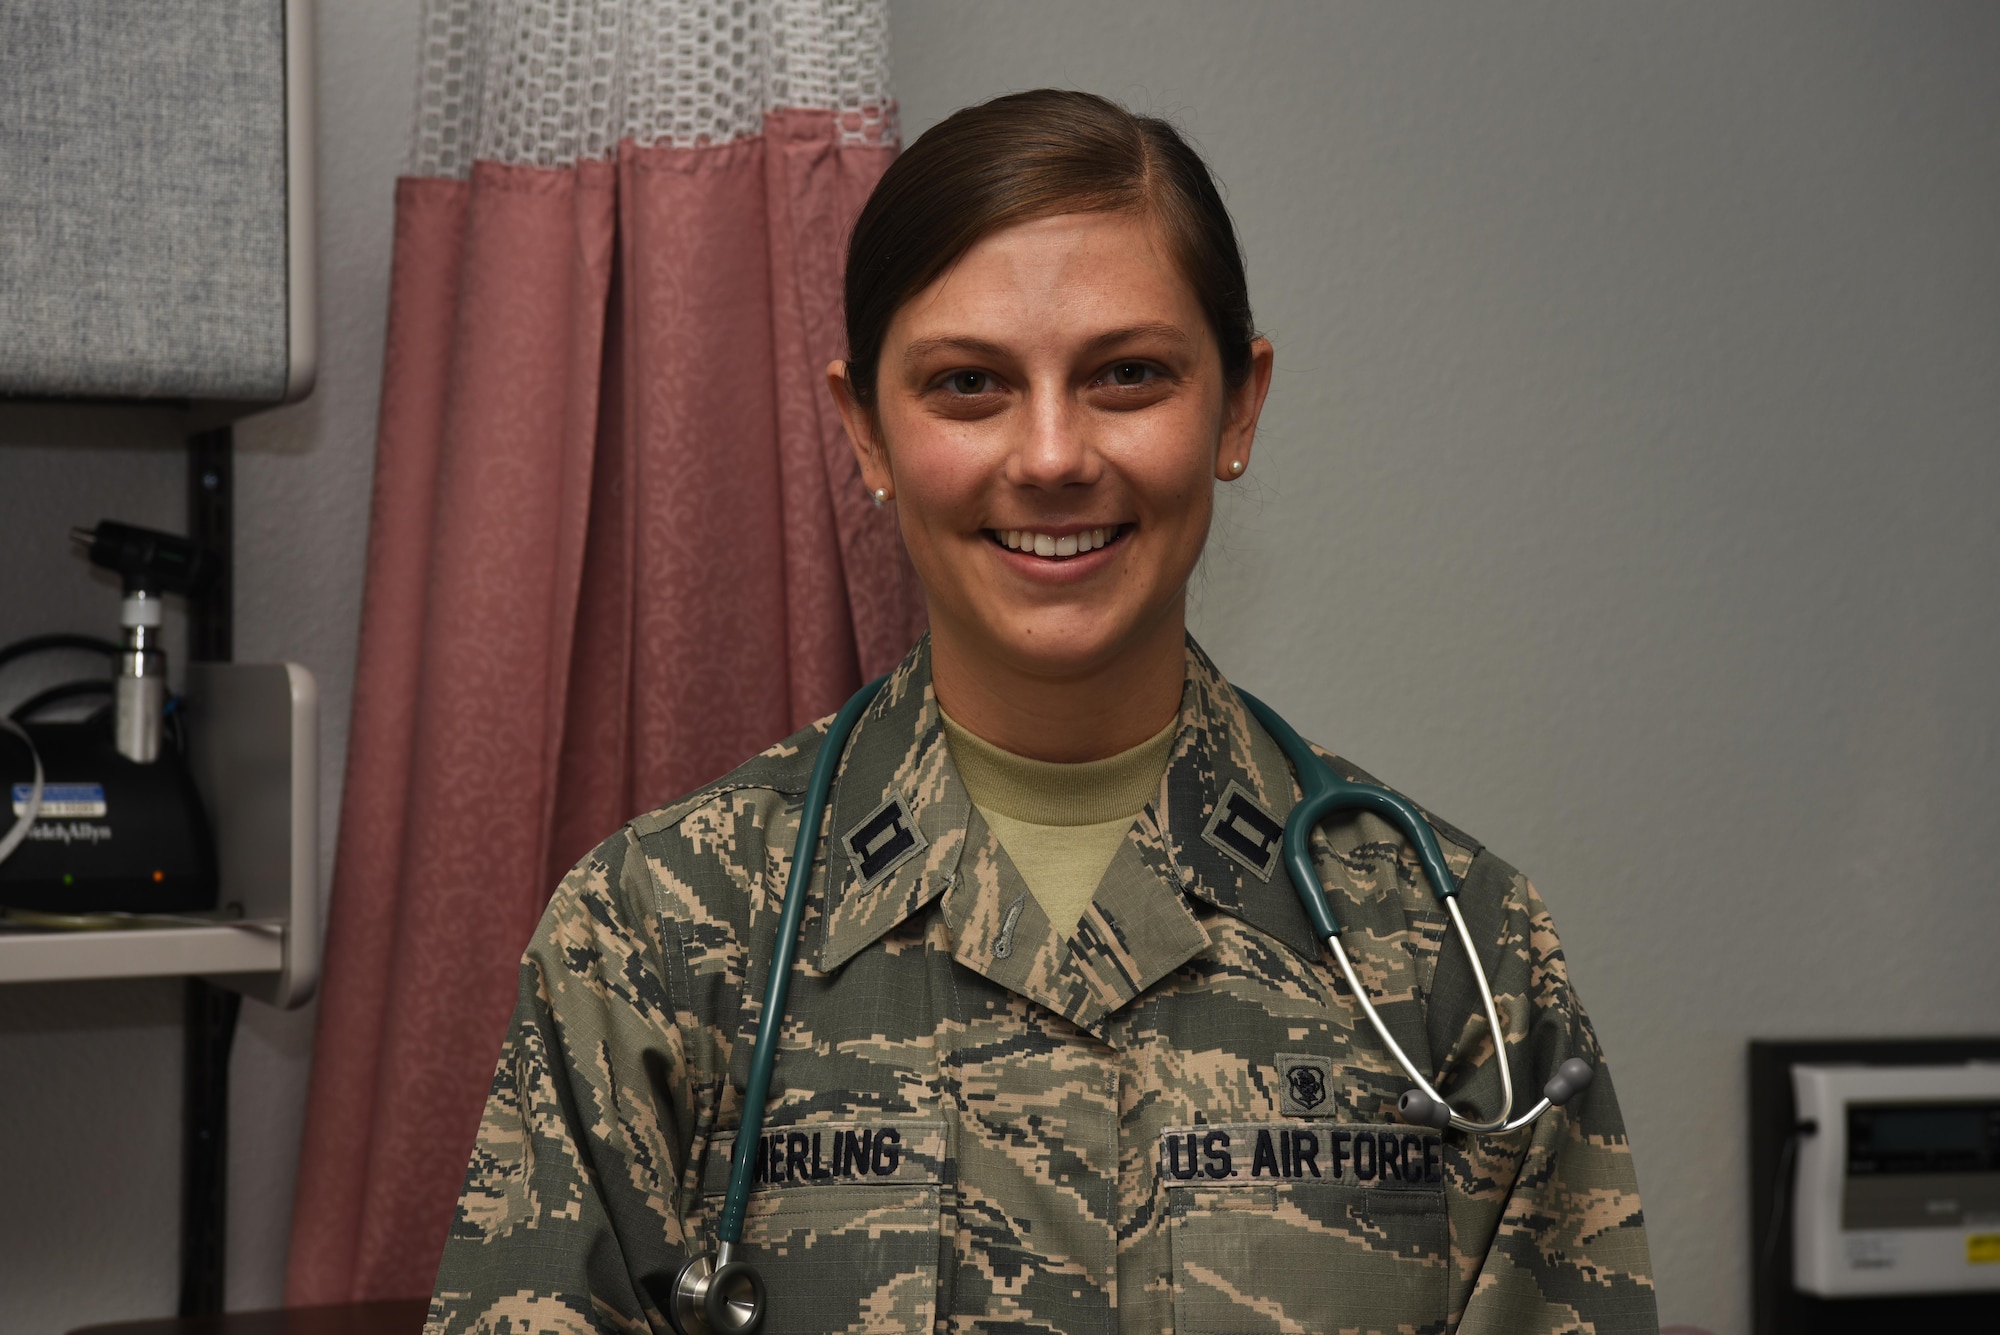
x: 1285, y: 1226
x: 844, y: 1222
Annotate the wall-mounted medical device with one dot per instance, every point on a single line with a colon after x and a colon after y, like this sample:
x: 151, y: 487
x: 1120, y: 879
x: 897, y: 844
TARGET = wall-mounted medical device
x: 109, y: 835
x: 252, y: 754
x: 1864, y: 1198
x: 104, y: 819
x: 1897, y: 1186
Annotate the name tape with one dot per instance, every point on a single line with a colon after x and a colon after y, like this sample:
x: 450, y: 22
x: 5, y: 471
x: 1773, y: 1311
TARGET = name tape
x: 849, y: 1152
x: 1246, y: 1154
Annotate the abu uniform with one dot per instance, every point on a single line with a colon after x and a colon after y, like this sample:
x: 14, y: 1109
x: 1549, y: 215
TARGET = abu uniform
x: 1172, y: 1120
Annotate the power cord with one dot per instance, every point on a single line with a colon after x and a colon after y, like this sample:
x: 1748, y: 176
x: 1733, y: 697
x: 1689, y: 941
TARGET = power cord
x: 69, y: 690
x: 1781, y: 1191
x: 43, y: 644
x: 33, y: 806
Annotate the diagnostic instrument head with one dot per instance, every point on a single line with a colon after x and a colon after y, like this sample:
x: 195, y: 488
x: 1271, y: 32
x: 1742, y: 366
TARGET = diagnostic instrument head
x: 147, y: 560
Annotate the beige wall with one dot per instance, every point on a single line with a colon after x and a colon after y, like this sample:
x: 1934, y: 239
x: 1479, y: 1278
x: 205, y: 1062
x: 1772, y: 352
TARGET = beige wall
x: 1627, y: 493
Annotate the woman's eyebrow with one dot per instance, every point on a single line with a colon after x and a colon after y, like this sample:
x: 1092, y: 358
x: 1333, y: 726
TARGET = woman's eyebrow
x: 1159, y: 329
x: 918, y: 349
x: 921, y: 348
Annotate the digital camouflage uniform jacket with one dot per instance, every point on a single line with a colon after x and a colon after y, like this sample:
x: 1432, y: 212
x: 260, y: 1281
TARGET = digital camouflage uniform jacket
x: 1172, y: 1121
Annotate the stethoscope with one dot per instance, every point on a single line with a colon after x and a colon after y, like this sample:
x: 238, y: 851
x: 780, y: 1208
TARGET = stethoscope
x: 721, y: 1295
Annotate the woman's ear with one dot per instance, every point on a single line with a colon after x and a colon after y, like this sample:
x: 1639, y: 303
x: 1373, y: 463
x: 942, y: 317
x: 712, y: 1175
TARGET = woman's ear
x: 863, y: 432
x: 1245, y: 404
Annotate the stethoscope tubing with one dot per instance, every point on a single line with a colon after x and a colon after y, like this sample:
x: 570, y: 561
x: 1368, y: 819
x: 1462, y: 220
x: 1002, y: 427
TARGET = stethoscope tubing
x: 764, y: 1055
x: 1323, y: 793
x: 721, y: 1294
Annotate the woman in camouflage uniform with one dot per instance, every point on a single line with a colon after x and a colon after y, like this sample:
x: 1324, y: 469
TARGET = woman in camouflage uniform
x: 1033, y: 1079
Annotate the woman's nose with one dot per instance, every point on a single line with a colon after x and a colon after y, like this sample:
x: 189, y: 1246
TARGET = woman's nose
x: 1055, y: 450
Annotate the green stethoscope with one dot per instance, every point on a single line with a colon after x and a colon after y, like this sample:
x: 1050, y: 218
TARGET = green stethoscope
x: 721, y: 1295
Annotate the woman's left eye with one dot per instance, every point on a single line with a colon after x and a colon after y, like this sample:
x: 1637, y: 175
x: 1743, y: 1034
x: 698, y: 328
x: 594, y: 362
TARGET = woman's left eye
x: 1130, y: 373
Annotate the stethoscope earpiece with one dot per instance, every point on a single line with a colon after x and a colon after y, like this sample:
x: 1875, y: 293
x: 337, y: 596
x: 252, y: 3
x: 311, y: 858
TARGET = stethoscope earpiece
x: 1420, y: 1109
x: 1571, y: 1079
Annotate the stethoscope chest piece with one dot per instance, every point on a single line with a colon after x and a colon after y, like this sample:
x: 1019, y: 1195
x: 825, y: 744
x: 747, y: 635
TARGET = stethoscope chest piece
x: 719, y: 1296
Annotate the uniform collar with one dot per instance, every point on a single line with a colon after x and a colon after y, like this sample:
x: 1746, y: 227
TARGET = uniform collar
x: 902, y: 833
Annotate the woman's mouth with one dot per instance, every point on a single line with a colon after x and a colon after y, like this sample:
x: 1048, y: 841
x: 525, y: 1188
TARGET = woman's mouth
x: 1054, y: 548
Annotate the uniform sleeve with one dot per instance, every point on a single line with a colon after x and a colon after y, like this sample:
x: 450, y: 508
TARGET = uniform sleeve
x: 567, y: 1216
x: 1564, y: 1245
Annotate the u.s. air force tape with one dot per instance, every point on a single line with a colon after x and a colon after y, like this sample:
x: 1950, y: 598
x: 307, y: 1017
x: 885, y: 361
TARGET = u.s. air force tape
x: 1262, y: 1153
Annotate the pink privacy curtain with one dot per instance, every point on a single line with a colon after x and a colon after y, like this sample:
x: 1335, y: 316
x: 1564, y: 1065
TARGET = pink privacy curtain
x: 618, y: 545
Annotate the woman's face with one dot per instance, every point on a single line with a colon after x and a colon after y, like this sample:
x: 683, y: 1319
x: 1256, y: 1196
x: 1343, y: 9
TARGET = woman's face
x: 1050, y: 419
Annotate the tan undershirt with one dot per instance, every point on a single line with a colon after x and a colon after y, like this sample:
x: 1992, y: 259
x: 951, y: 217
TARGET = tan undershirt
x: 1060, y: 824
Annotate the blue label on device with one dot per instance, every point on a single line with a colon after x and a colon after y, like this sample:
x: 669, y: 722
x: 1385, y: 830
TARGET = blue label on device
x: 62, y: 800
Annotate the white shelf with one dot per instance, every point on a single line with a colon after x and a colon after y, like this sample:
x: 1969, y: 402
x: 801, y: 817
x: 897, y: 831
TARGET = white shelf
x: 138, y: 952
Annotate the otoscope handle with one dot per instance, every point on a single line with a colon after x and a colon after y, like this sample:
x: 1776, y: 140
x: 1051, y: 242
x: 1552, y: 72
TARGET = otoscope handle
x: 729, y: 1228
x: 1323, y: 792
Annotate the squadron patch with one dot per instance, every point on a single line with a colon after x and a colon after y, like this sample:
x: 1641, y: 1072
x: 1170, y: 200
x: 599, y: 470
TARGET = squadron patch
x: 1304, y: 1085
x: 1395, y: 1157
x: 884, y: 839
x: 1245, y: 831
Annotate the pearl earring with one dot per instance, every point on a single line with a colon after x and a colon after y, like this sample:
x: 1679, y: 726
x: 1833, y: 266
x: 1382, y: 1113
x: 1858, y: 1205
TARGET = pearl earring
x: 1236, y: 467
x: 881, y: 494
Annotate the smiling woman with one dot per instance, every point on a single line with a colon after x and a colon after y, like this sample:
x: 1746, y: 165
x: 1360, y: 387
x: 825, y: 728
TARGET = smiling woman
x: 1049, y: 413
x: 1062, y: 1051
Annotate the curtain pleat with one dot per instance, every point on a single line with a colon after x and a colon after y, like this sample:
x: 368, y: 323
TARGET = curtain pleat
x: 710, y: 665
x: 618, y: 546
x: 361, y: 932
x: 822, y: 186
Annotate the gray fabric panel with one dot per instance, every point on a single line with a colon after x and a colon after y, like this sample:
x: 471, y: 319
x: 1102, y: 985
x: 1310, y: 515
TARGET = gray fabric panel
x: 142, y: 198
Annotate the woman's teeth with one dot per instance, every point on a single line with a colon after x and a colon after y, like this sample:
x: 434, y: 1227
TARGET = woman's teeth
x: 1041, y: 544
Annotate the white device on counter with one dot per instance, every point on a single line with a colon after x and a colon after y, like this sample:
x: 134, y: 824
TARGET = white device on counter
x: 1898, y: 1184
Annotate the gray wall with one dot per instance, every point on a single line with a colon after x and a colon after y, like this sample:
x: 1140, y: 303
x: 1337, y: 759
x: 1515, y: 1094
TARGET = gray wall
x: 1627, y: 493
x: 1627, y: 489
